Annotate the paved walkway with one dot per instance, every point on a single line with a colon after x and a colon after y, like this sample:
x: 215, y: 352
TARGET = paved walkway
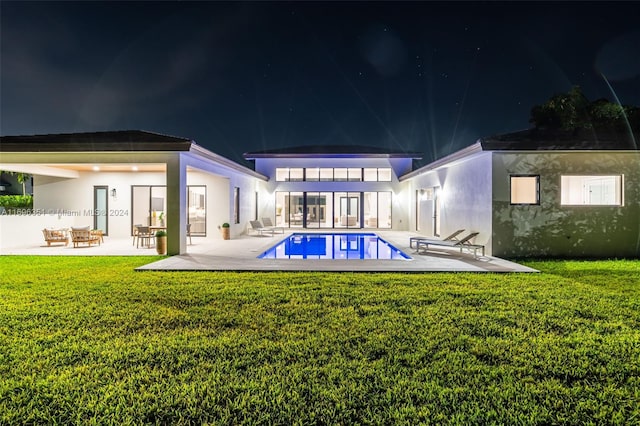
x: 240, y: 254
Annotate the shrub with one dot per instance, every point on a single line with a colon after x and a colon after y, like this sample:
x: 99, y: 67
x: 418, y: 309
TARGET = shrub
x: 14, y: 202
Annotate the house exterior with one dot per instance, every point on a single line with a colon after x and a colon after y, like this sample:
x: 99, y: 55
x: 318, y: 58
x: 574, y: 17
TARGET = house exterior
x: 535, y: 194
x: 114, y: 180
x: 334, y: 187
x: 528, y: 194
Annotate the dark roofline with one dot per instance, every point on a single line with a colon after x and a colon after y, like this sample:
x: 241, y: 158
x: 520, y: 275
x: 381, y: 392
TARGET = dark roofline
x: 330, y: 151
x: 121, y: 140
x: 556, y: 140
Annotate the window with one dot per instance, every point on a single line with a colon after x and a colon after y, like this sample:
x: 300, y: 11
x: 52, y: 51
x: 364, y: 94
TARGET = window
x: 591, y: 190
x: 326, y: 174
x: 287, y: 174
x: 282, y: 175
x: 236, y: 205
x: 312, y: 175
x: 340, y: 174
x: 384, y: 175
x: 370, y: 174
x: 355, y: 175
x: 525, y: 189
x: 197, y: 209
x: 296, y: 175
x: 148, y: 207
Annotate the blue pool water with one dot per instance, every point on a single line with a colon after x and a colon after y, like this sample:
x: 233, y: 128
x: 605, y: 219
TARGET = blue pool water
x: 334, y: 246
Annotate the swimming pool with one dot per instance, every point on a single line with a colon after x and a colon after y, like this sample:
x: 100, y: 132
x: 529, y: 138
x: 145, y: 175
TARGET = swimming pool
x: 334, y: 246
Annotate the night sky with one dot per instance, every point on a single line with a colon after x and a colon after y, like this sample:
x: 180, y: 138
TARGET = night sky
x: 236, y: 77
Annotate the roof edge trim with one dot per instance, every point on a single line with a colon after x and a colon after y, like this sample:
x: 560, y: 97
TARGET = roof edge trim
x: 465, y: 152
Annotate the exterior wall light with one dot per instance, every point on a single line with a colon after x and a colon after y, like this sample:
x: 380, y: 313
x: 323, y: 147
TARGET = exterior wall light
x: 114, y: 193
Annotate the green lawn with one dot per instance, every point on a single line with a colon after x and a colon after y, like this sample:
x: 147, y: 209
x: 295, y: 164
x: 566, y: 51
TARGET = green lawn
x: 88, y: 340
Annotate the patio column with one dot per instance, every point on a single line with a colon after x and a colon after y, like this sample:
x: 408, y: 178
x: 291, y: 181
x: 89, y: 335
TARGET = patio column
x: 176, y: 205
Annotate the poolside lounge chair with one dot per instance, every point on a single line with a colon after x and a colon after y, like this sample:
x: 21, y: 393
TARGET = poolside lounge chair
x: 257, y: 226
x: 266, y: 221
x: 463, y: 243
x: 452, y: 237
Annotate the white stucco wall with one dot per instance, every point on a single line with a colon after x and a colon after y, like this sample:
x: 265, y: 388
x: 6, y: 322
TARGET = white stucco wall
x: 553, y: 230
x: 268, y: 166
x: 217, y: 199
x: 465, y: 194
x: 73, y: 197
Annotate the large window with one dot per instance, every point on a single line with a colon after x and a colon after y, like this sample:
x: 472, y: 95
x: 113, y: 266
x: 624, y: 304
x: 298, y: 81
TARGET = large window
x: 337, y: 174
x: 294, y: 174
x: 149, y: 206
x: 525, y: 189
x: 333, y: 209
x: 591, y: 190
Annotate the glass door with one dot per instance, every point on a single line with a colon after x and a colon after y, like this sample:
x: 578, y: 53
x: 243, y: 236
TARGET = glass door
x: 100, y: 208
x: 348, y: 214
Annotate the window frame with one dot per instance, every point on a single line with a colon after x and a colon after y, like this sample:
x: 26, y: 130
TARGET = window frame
x: 619, y: 183
x: 511, y: 176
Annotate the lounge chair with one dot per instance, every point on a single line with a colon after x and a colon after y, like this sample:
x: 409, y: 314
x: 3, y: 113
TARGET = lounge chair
x: 52, y: 236
x: 452, y: 237
x: 257, y: 226
x: 463, y: 243
x: 266, y: 221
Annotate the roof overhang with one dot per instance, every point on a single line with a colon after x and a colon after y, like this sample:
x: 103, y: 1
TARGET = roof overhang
x: 116, y: 141
x: 253, y: 156
x: 445, y: 161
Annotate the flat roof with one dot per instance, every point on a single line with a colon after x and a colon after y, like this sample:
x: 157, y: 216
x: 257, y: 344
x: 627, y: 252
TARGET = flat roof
x: 330, y: 151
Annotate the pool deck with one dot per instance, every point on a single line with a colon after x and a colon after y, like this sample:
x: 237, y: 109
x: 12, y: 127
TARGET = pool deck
x: 240, y: 254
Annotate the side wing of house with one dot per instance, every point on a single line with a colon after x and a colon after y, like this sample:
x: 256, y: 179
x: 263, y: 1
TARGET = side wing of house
x: 451, y: 194
x: 114, y: 181
x: 566, y: 204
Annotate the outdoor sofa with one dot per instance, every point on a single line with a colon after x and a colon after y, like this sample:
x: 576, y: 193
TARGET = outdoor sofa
x: 84, y: 236
x: 56, y: 236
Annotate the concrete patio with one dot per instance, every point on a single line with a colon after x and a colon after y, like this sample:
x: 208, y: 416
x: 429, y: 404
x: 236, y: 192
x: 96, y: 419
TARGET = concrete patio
x: 240, y: 254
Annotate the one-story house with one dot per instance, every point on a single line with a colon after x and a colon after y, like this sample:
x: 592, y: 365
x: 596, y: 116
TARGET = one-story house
x: 527, y: 193
x: 536, y: 194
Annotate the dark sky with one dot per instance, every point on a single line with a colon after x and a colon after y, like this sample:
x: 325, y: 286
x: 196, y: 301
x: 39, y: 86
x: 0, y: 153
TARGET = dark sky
x: 421, y: 76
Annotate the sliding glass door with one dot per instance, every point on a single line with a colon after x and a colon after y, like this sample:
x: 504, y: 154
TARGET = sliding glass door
x: 149, y: 206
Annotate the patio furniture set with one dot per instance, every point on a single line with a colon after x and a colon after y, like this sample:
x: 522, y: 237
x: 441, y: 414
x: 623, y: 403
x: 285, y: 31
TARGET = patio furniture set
x: 77, y: 236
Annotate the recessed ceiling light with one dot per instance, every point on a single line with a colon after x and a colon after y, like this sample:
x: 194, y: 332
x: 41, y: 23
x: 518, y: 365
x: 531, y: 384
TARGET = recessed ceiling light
x: 96, y: 168
x: 134, y: 168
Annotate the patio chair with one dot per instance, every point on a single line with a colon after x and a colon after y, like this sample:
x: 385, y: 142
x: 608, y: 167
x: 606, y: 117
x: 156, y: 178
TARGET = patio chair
x: 144, y: 234
x: 257, y: 226
x: 463, y: 243
x: 452, y: 237
x: 189, y: 233
x: 84, y: 236
x: 266, y: 221
x: 52, y: 236
x: 135, y: 232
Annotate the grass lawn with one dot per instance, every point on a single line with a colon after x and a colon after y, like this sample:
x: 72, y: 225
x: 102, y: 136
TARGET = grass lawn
x: 88, y: 340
